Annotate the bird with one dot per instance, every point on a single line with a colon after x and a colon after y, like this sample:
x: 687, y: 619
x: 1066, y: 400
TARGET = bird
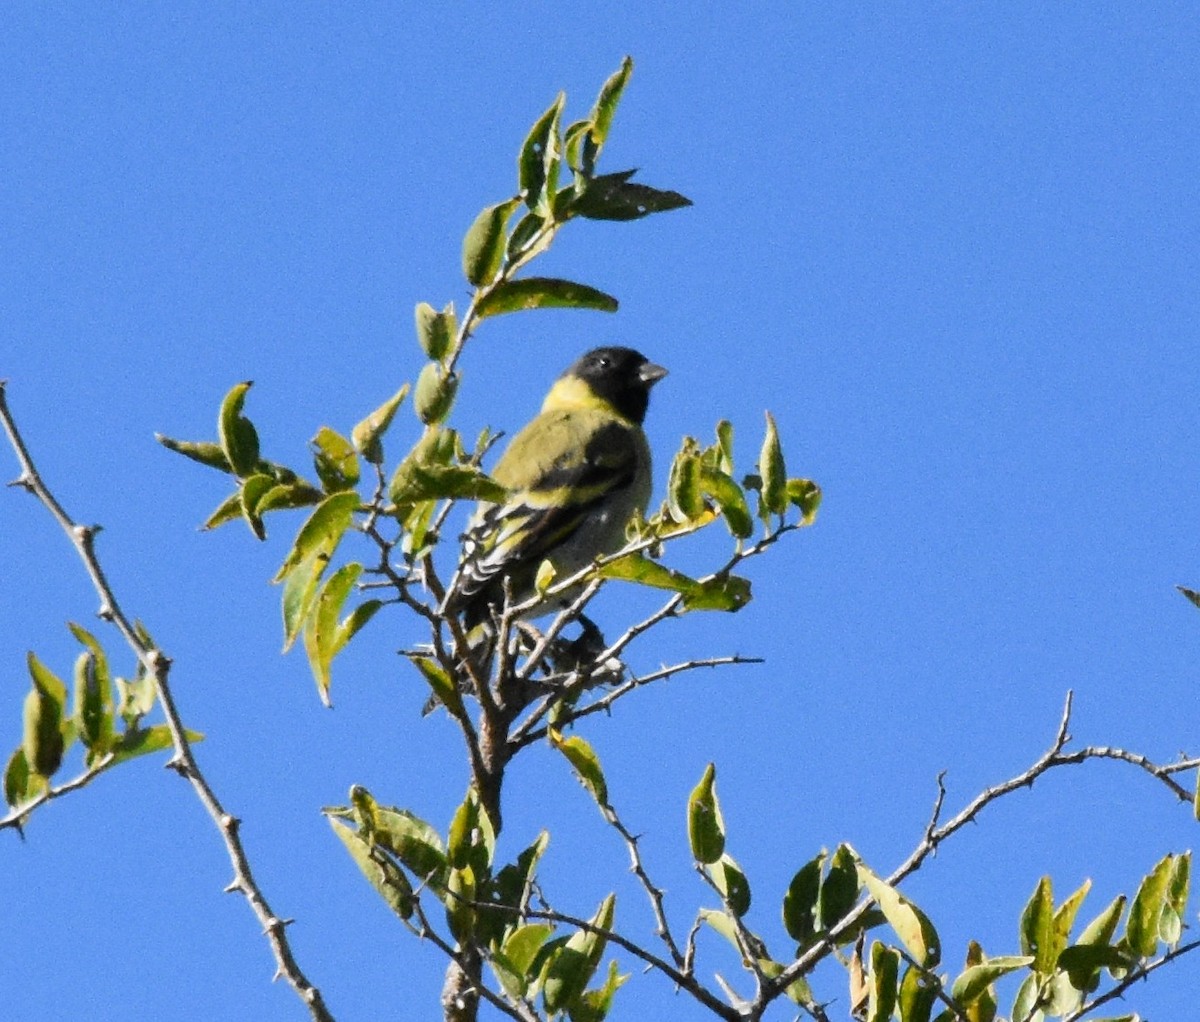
x: 575, y: 475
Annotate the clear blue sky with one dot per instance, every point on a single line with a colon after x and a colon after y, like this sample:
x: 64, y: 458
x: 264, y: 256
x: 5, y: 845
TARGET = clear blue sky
x: 953, y: 247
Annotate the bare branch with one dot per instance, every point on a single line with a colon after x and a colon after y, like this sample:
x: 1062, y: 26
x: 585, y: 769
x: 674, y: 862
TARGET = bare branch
x: 158, y: 666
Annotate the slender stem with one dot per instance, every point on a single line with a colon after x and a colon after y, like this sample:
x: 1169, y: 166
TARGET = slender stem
x: 158, y: 665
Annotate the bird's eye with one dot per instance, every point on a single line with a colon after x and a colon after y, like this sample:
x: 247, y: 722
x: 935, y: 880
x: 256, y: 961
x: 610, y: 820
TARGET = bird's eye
x: 602, y: 362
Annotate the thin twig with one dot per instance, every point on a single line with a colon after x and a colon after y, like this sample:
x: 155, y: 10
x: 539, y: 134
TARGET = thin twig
x: 16, y: 816
x: 158, y: 666
x: 525, y: 734
x: 1138, y: 974
x: 934, y: 834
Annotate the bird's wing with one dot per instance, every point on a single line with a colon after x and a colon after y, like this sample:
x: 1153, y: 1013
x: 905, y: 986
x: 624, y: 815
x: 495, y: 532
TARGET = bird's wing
x: 559, y: 469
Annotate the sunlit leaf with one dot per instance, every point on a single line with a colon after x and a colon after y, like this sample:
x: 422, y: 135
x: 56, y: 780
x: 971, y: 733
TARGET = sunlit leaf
x: 482, y: 254
x: 435, y: 393
x: 918, y: 995
x: 1141, y: 929
x: 731, y: 883
x: 239, y: 438
x: 322, y: 531
x: 367, y: 436
x: 839, y: 890
x: 975, y: 980
x: 388, y: 880
x: 300, y: 594
x: 144, y: 741
x: 542, y: 293
x: 730, y: 499
x: 884, y: 982
x: 586, y: 764
x: 229, y: 509
x: 537, y: 166
x: 773, y: 471
x: 335, y: 460
x: 205, y: 452
x: 42, y: 736
x: 706, y: 826
x: 572, y: 967
x: 806, y: 495
x: 912, y: 926
x: 1037, y: 928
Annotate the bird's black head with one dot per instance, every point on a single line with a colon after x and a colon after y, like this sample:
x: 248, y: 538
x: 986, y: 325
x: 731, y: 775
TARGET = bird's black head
x: 621, y: 376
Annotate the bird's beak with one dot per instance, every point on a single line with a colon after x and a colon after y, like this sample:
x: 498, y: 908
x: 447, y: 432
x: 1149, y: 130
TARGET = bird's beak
x: 650, y: 374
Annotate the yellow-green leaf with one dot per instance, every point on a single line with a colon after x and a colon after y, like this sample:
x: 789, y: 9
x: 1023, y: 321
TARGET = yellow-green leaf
x: 773, y: 471
x: 542, y: 293
x: 586, y: 764
x: 912, y: 926
x: 204, y: 451
x: 367, y: 436
x: 706, y: 826
x: 239, y: 438
x: 322, y: 531
x: 482, y: 254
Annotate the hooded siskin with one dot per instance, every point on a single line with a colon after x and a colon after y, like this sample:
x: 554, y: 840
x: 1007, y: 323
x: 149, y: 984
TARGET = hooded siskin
x: 576, y: 475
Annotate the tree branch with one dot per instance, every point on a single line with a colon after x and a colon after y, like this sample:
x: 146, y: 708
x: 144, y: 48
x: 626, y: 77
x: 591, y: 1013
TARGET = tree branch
x: 158, y: 666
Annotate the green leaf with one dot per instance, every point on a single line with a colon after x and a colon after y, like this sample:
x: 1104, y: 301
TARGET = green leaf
x: 1029, y: 997
x: 542, y: 293
x: 42, y: 737
x: 513, y: 963
x: 287, y: 496
x: 444, y: 689
x: 1064, y: 918
x: 335, y: 460
x: 606, y: 107
x: 595, y: 1005
x: 300, y: 594
x: 1082, y: 963
x: 144, y: 741
x: 93, y: 695
x: 1170, y: 926
x: 1141, y: 929
x: 806, y: 495
x: 773, y: 472
x: 685, y: 500
x: 253, y: 490
x: 93, y: 705
x: 239, y: 438
x: 537, y: 166
x: 415, y: 482
x: 435, y: 393
x: 615, y: 197
x: 729, y: 593
x: 460, y: 913
x: 1191, y: 594
x: 20, y: 783
x: 731, y: 883
x: 571, y: 969
x: 912, y: 926
x: 521, y: 244
x: 413, y: 841
x: 482, y: 254
x: 323, y: 638
x: 387, y: 879
x: 229, y: 509
x: 975, y: 980
x: 706, y: 826
x: 730, y: 499
x: 586, y: 764
x: 885, y: 969
x: 800, y: 902
x: 839, y: 891
x: 322, y: 531
x: 459, y: 836
x: 1037, y: 928
x: 1101, y: 929
x: 205, y: 452
x: 367, y: 436
x: 917, y: 997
